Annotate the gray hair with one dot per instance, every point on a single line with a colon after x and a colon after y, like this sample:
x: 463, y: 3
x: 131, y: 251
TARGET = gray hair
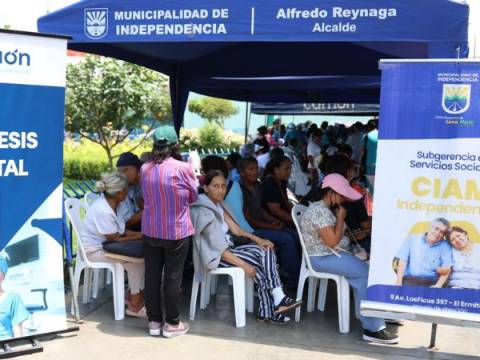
x: 442, y: 221
x: 111, y: 184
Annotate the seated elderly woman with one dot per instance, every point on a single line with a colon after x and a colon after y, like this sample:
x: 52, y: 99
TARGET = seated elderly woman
x: 214, y: 247
x: 322, y: 226
x: 466, y: 260
x: 102, y: 224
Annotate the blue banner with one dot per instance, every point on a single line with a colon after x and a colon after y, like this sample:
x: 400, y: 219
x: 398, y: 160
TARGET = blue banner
x: 217, y: 20
x: 32, y: 88
x: 426, y: 232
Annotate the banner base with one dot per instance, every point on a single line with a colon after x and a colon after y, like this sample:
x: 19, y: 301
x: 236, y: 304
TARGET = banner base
x: 24, y: 345
x: 398, y: 312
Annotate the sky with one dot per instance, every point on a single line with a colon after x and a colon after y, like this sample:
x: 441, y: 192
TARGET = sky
x: 22, y: 15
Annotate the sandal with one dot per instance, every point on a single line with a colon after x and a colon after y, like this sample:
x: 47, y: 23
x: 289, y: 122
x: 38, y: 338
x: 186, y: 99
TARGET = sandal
x: 142, y: 313
x: 287, y: 304
x: 277, y: 319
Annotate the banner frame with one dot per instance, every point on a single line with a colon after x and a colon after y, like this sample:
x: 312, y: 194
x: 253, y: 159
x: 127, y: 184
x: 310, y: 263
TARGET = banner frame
x: 400, y: 312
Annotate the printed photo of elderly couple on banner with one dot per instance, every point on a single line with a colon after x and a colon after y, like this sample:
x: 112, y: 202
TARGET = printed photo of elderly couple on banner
x: 425, y: 256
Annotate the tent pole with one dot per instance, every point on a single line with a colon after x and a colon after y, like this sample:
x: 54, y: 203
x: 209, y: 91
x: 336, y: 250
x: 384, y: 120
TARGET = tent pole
x: 246, y: 122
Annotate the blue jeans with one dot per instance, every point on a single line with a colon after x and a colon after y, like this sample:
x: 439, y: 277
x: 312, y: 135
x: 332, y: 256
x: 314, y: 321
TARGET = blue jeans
x: 287, y: 249
x: 356, y: 273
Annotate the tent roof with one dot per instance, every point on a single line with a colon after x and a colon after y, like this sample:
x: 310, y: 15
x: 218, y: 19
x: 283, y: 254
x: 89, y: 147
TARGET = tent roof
x: 246, y: 49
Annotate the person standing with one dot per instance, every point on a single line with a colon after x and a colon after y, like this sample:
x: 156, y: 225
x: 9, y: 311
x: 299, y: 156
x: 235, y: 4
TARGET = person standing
x: 169, y: 188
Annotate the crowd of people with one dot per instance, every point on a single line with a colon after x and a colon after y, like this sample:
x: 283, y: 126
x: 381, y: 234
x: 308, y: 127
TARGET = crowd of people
x: 238, y: 213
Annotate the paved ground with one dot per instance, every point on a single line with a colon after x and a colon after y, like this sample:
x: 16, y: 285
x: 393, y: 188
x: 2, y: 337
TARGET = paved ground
x: 214, y: 336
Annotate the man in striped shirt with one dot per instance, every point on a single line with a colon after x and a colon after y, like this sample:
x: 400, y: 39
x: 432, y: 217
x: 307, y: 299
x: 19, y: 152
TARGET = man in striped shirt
x: 168, y: 187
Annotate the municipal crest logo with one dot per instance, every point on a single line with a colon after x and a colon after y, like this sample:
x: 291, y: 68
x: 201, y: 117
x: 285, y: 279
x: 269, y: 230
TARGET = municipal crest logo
x: 96, y: 23
x: 456, y: 98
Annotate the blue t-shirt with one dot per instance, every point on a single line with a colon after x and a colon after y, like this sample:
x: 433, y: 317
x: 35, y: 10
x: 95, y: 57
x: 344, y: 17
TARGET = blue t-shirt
x: 234, y: 205
x: 12, y: 313
x: 422, y: 258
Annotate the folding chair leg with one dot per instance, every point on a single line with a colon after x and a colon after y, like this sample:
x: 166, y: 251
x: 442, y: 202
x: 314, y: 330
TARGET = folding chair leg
x: 249, y: 293
x: 301, y: 284
x: 213, y: 285
x: 312, y: 287
x: 76, y: 286
x: 204, y: 291
x: 322, y: 294
x: 238, y: 280
x: 96, y: 282
x: 86, y: 285
x: 108, y: 277
x: 193, y: 298
x: 343, y: 299
x: 119, y: 291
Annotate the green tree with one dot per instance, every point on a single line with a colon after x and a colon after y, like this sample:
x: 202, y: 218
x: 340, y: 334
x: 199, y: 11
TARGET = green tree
x: 106, y: 99
x: 213, y: 109
x: 210, y: 136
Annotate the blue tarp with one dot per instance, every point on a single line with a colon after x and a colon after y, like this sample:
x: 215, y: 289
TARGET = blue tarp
x: 264, y: 50
x: 315, y: 109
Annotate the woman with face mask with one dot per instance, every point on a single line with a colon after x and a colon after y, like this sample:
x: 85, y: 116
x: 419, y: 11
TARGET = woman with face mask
x: 214, y: 247
x: 323, y: 226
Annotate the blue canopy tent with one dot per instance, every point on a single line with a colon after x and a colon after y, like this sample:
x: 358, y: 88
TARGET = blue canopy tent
x: 260, y: 50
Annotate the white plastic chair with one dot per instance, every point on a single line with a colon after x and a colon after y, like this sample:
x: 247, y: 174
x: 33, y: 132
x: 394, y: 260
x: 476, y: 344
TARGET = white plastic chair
x: 241, y: 293
x: 98, y: 274
x: 72, y: 208
x: 307, y: 272
x: 89, y: 198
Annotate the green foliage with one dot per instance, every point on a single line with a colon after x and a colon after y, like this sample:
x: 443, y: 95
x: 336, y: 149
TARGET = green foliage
x: 212, y: 109
x: 87, y: 160
x: 105, y: 96
x: 210, y: 135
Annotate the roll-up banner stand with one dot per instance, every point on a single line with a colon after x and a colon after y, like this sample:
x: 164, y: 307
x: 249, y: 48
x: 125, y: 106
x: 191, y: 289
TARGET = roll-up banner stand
x: 425, y: 260
x: 32, y: 95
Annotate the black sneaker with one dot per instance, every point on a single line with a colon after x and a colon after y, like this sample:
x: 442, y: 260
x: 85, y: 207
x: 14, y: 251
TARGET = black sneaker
x: 380, y: 337
x: 394, y: 322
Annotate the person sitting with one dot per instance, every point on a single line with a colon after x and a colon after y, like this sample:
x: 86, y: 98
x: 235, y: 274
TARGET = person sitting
x: 232, y: 161
x: 466, y: 260
x: 102, y: 223
x: 357, y: 220
x: 322, y: 226
x: 265, y: 225
x: 274, y: 190
x: 131, y: 208
x: 12, y: 310
x: 214, y: 248
x: 425, y: 259
x: 286, y: 242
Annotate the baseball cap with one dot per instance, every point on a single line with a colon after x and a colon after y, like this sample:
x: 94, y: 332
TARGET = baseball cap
x: 339, y: 184
x: 291, y: 126
x: 129, y: 159
x: 165, y: 135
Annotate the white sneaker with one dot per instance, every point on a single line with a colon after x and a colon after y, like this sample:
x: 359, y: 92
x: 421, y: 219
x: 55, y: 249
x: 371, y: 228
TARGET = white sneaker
x: 154, y: 328
x: 170, y: 331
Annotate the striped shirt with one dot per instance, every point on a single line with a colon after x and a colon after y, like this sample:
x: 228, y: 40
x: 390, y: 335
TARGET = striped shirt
x: 168, y: 190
